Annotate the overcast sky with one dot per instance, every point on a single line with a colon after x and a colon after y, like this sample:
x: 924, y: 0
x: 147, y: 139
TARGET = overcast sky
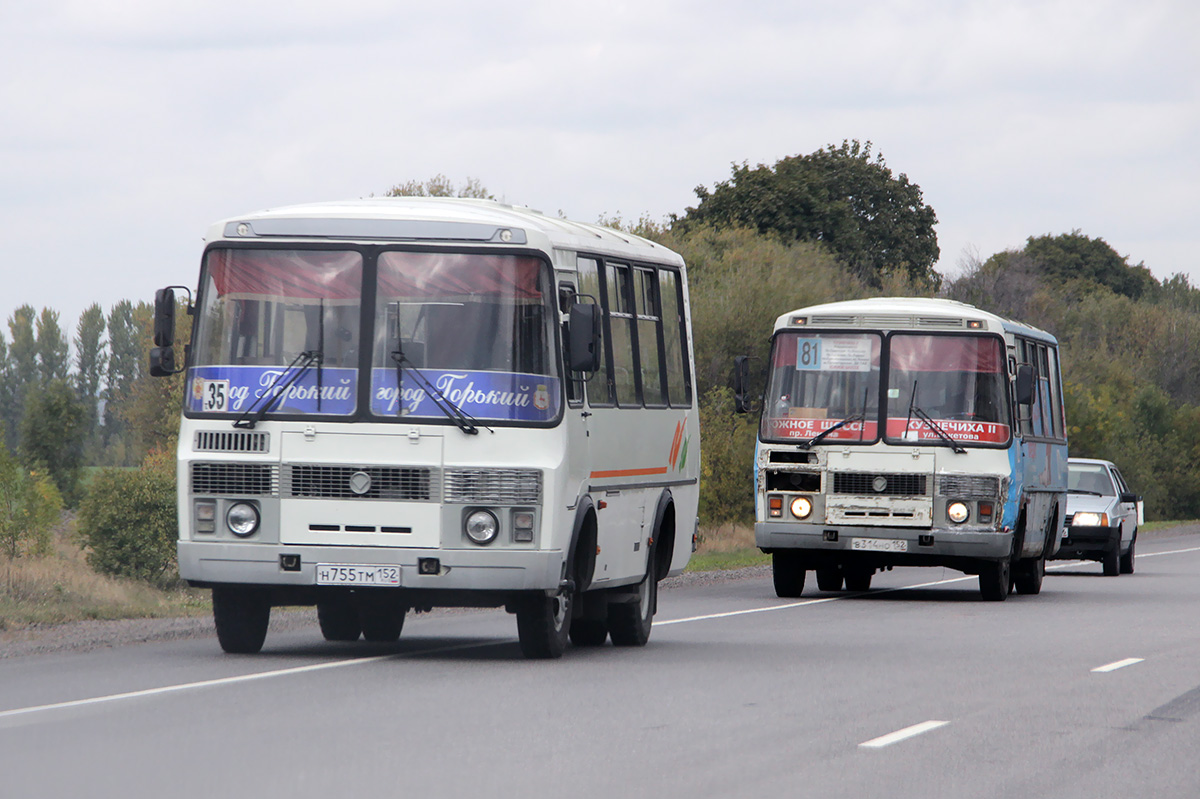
x: 127, y: 127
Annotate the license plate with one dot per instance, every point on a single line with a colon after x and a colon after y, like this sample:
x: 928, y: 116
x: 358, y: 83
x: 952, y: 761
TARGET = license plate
x: 352, y: 574
x: 879, y: 544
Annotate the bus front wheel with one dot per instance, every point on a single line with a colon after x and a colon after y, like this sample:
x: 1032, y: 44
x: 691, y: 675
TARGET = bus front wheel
x: 787, y: 570
x: 995, y: 578
x: 241, y: 616
x: 544, y: 624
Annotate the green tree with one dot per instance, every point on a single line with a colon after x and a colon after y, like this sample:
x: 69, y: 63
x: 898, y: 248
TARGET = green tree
x: 53, y: 430
x: 8, y: 422
x: 90, y: 362
x: 53, y: 352
x: 29, y: 508
x: 440, y: 186
x: 1074, y: 256
x: 845, y: 198
x: 22, y: 369
x: 125, y: 354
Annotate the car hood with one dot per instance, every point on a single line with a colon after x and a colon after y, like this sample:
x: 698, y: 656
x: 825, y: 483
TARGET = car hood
x: 1082, y: 503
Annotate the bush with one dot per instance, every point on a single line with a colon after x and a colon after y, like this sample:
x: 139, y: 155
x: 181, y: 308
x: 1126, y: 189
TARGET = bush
x: 29, y: 507
x: 128, y: 523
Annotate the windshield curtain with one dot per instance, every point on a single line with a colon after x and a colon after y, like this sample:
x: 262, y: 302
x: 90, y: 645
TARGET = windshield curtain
x: 478, y: 327
x: 957, y: 380
x: 818, y: 380
x: 264, y: 310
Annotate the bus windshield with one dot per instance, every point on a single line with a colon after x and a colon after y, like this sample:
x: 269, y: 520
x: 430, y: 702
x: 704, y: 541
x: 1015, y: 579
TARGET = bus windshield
x: 476, y: 329
x: 279, y: 323
x: 958, y: 381
x: 820, y: 380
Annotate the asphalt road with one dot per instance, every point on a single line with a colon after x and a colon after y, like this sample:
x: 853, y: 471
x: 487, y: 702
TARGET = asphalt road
x: 915, y: 689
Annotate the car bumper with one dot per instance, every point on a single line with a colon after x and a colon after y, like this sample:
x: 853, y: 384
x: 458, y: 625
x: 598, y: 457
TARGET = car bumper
x: 1087, y: 542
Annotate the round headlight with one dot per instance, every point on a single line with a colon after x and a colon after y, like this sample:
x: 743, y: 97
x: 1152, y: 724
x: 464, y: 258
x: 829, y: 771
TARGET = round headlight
x: 801, y: 507
x: 242, y: 519
x: 958, y: 512
x: 481, y: 527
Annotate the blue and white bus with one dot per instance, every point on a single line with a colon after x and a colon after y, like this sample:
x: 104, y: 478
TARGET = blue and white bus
x: 395, y: 404
x: 909, y: 432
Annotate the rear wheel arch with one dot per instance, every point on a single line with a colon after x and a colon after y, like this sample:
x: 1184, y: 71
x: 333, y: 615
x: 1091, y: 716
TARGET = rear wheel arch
x: 663, y: 533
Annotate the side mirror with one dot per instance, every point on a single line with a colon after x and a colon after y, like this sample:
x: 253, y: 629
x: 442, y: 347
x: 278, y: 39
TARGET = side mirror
x: 741, y: 384
x: 584, y: 347
x: 1129, y: 497
x: 162, y: 361
x: 164, y: 317
x: 1024, y: 384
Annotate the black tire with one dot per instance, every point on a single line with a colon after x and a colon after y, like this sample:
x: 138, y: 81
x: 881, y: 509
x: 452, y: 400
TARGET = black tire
x: 241, y: 616
x: 629, y: 622
x: 544, y: 625
x: 787, y: 570
x: 382, y: 619
x: 588, y: 632
x: 1027, y: 577
x: 338, y: 618
x: 995, y: 579
x: 859, y: 579
x: 1127, y: 558
x: 829, y: 579
x: 1111, y: 561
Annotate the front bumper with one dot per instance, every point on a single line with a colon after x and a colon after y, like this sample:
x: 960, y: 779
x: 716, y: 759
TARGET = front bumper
x: 491, y: 570
x: 923, y: 547
x: 1088, y: 543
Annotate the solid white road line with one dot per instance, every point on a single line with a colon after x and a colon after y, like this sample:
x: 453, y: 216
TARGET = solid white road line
x: 261, y: 675
x: 1120, y: 664
x: 900, y: 735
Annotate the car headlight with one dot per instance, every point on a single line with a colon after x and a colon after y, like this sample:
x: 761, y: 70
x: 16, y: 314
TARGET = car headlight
x: 958, y: 512
x: 801, y: 507
x: 242, y: 519
x: 481, y: 526
x: 1089, y: 519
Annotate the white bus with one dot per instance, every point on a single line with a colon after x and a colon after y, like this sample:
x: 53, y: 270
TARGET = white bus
x: 396, y: 404
x: 910, y: 432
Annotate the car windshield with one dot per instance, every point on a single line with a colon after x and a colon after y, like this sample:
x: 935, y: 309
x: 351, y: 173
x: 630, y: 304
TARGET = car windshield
x: 277, y: 322
x: 1089, y: 478
x: 819, y: 380
x: 956, y: 381
x: 476, y: 328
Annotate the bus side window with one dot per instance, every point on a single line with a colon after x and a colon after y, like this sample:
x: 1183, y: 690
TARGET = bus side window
x: 619, y: 297
x: 679, y: 387
x: 600, y: 388
x: 649, y: 330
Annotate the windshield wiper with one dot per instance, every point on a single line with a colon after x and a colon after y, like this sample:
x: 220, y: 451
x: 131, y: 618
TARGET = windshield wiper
x: 819, y: 437
x: 258, y: 409
x: 1084, y: 491
x: 464, y: 421
x: 915, y: 410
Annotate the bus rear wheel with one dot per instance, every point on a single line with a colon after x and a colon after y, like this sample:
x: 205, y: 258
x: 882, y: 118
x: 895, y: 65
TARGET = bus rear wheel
x: 241, y: 616
x: 787, y: 570
x: 338, y: 618
x: 859, y: 579
x: 382, y: 620
x: 629, y: 622
x: 829, y: 579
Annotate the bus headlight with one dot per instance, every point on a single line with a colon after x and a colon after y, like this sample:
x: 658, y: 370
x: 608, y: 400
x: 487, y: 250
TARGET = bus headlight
x: 242, y: 519
x: 1090, y: 520
x: 481, y: 527
x: 801, y: 507
x: 957, y: 512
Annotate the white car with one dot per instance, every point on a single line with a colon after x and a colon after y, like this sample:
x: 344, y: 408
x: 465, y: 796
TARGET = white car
x: 1102, y: 516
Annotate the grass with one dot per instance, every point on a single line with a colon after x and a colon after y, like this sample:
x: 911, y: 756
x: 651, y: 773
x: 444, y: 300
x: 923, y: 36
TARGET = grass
x: 61, y: 587
x: 1150, y: 527
x: 725, y: 547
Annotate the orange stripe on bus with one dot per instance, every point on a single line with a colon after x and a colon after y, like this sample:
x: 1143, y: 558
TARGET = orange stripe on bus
x: 630, y: 472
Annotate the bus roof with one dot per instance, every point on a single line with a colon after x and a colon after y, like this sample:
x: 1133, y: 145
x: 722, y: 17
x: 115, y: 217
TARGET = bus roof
x: 894, y: 313
x: 436, y: 219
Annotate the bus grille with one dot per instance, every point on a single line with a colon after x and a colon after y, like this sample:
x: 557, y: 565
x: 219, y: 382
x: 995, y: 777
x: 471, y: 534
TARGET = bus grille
x: 232, y: 441
x: 964, y: 486
x: 333, y: 482
x: 235, y: 479
x: 494, y: 486
x: 863, y: 484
